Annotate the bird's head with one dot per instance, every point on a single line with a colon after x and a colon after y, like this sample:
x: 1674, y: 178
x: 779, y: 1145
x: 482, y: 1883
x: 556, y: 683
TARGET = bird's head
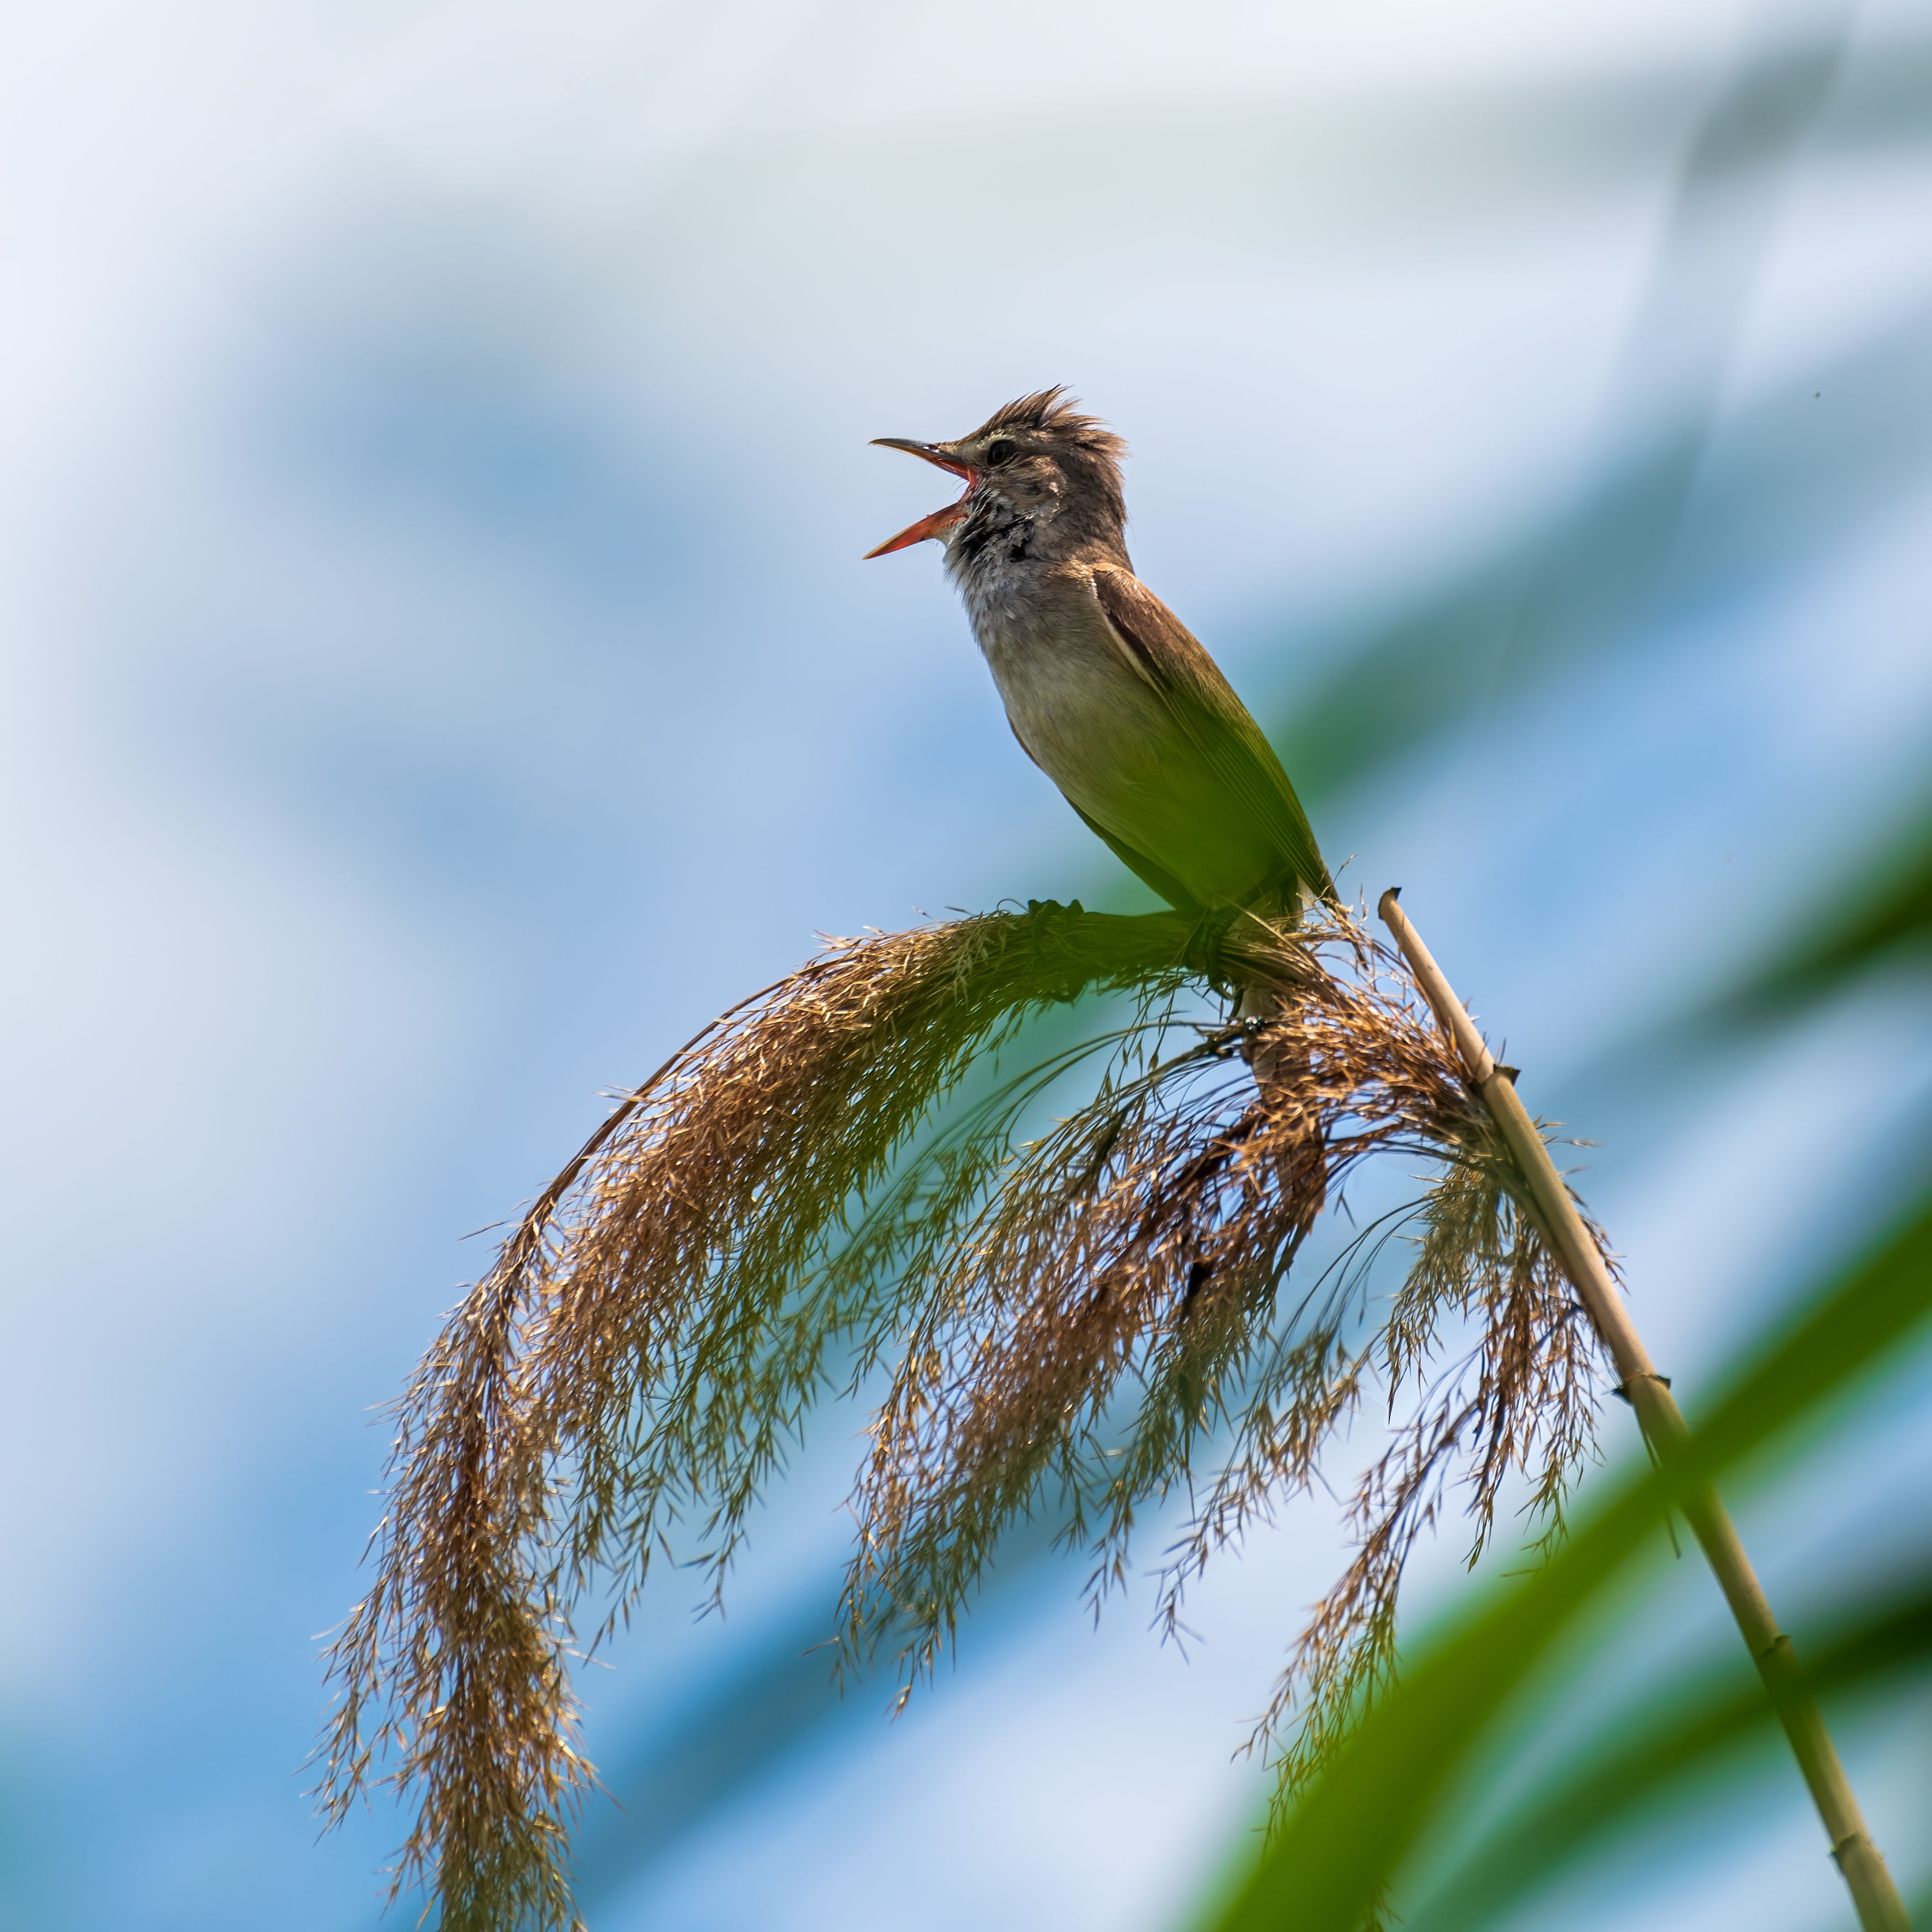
x: 1036, y: 462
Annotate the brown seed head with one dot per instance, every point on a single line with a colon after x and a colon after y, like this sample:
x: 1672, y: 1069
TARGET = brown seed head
x: 1085, y: 1318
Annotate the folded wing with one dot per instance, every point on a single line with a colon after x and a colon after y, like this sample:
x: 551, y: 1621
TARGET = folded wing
x: 1203, y: 704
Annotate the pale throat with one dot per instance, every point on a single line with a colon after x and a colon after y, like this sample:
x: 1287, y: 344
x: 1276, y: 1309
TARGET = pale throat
x: 991, y: 578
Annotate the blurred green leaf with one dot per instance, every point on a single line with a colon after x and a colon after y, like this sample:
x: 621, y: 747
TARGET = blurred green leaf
x: 1718, y: 1720
x: 1887, y: 917
x: 1347, y: 1843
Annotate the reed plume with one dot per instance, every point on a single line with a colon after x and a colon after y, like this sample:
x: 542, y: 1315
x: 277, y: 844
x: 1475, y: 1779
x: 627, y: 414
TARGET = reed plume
x: 835, y: 1180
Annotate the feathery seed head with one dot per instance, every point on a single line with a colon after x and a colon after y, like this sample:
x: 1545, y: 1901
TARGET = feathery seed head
x: 1069, y: 1319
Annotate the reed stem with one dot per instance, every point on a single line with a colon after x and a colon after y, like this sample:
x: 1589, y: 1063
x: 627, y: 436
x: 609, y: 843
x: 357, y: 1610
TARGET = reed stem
x: 1880, y: 1907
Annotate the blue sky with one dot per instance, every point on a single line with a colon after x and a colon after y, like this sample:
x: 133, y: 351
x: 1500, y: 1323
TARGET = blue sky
x: 439, y: 674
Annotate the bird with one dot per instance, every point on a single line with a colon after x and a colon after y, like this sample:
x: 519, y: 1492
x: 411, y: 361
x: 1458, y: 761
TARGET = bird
x: 1109, y: 693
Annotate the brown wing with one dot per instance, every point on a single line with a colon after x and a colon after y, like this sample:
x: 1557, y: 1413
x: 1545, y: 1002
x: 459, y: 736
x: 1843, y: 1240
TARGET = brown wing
x: 1203, y: 702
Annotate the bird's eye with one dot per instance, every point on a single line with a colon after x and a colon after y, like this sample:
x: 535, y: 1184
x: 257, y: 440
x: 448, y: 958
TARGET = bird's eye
x: 997, y: 451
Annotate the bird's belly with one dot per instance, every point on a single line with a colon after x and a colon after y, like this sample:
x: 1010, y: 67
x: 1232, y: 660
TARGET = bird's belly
x: 1093, y: 725
x: 1097, y: 733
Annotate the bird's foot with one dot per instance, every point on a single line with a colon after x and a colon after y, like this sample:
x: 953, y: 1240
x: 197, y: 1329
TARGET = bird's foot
x: 1049, y: 926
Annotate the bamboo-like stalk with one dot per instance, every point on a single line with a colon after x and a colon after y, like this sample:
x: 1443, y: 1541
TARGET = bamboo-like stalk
x: 1880, y: 1907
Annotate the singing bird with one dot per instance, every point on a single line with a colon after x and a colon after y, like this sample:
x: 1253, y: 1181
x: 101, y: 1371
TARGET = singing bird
x: 1107, y: 690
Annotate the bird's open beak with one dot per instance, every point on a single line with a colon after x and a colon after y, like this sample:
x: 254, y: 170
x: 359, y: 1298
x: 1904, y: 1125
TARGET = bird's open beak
x: 941, y: 521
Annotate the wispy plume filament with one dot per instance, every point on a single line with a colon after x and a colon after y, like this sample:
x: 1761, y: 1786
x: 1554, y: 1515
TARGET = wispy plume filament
x: 799, y: 1197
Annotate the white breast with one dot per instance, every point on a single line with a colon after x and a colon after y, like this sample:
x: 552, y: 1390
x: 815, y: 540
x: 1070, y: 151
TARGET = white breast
x: 1086, y: 717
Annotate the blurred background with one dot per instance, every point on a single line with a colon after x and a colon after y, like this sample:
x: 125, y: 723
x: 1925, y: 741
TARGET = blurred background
x: 438, y: 675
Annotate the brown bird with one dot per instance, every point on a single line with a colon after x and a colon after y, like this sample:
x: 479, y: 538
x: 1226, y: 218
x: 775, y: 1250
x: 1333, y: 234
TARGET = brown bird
x: 1107, y: 690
